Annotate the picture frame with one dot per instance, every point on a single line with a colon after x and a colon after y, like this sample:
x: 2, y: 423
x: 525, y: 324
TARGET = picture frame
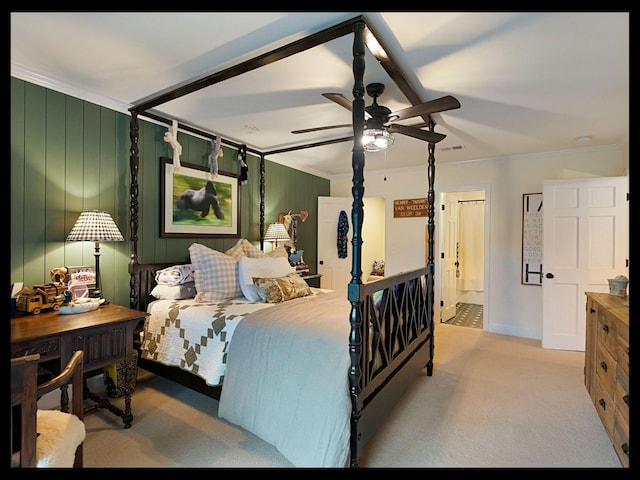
x: 85, y: 274
x: 196, y: 204
x: 531, y: 271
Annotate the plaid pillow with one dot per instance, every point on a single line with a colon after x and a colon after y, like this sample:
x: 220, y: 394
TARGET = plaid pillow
x: 238, y: 250
x: 244, y: 248
x: 215, y: 274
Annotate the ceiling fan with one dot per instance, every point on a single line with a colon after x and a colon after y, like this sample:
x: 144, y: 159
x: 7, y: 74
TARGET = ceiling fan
x: 377, y: 118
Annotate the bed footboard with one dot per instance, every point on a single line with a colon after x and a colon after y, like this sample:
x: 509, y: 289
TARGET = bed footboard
x: 397, y: 344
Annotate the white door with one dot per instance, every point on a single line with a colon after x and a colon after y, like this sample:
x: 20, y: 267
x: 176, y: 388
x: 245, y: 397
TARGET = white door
x: 336, y: 272
x: 449, y: 225
x: 585, y: 242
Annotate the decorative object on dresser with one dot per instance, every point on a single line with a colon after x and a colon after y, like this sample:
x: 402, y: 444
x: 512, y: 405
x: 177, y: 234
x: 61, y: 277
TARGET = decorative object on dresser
x: 607, y: 366
x: 41, y: 297
x: 95, y: 226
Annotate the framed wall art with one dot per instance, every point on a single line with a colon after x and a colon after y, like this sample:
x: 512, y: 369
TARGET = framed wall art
x: 531, y: 239
x: 196, y: 204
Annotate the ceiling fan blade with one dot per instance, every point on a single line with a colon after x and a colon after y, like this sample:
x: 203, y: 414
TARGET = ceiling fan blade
x: 307, y: 130
x: 433, y: 106
x: 426, y: 135
x: 339, y: 99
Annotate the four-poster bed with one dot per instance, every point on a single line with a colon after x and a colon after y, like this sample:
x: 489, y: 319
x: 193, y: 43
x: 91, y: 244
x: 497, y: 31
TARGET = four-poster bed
x: 385, y: 328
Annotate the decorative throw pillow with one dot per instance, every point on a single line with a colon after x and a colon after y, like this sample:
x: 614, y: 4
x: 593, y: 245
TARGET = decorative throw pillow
x: 244, y: 248
x: 249, y: 268
x: 275, y: 290
x: 174, y: 292
x: 215, y: 274
x: 238, y: 250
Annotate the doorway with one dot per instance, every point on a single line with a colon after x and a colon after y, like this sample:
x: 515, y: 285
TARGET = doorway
x: 463, y: 246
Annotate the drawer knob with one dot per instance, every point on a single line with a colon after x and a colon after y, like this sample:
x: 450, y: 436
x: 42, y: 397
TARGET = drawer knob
x: 593, y: 310
x: 625, y: 448
x: 603, y: 404
x: 605, y: 329
x: 603, y: 365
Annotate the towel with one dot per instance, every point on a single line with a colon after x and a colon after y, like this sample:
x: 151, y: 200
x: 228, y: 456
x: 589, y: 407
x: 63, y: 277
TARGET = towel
x: 175, y: 275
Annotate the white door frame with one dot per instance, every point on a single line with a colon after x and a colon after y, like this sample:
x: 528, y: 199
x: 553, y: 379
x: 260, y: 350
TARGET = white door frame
x: 439, y: 270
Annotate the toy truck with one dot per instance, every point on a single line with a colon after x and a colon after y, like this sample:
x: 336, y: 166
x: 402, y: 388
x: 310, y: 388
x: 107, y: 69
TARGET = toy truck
x: 41, y: 297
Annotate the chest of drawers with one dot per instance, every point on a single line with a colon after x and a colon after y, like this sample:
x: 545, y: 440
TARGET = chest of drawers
x: 607, y: 366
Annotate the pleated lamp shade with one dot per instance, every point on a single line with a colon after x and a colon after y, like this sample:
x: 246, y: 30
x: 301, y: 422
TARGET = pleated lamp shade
x: 95, y: 226
x: 275, y: 232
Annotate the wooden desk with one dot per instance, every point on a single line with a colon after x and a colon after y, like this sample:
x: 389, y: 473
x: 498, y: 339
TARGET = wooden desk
x: 105, y: 335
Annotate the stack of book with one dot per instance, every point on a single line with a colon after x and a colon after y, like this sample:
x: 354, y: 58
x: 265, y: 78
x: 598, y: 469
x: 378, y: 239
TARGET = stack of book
x: 302, y: 268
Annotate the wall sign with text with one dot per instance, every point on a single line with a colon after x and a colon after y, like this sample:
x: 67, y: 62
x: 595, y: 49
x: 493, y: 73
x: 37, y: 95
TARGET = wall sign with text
x: 532, y: 239
x: 412, y: 207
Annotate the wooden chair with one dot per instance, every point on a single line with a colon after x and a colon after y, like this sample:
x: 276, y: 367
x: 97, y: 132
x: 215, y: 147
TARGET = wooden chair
x: 47, y: 438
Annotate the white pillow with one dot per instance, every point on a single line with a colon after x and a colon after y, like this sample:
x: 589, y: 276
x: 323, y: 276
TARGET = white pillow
x: 215, y: 274
x: 250, y: 268
x: 174, y: 292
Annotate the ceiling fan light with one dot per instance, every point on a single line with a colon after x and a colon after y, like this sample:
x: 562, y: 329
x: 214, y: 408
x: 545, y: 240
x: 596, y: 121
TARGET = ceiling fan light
x: 376, y: 139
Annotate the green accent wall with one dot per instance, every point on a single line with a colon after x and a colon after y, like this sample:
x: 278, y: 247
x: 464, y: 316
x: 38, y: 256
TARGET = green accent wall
x: 69, y: 155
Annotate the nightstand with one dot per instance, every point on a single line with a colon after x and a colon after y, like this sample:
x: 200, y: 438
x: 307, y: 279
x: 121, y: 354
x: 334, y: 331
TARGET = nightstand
x: 312, y: 280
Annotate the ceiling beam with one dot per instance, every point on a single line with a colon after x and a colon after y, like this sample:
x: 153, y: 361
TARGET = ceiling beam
x: 313, y: 40
x: 373, y: 42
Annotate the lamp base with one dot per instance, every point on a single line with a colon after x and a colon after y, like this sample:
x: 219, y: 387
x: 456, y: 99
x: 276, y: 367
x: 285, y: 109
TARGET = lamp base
x: 97, y: 293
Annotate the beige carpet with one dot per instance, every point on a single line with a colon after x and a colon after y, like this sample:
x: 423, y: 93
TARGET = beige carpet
x: 494, y: 401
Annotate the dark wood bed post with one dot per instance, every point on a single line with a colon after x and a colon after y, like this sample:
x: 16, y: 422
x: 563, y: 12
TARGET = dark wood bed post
x: 262, y: 201
x: 134, y: 162
x: 431, y: 175
x: 357, y: 216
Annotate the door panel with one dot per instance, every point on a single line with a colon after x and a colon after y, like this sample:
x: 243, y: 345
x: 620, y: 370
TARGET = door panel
x: 336, y: 272
x: 585, y: 242
x: 450, y: 226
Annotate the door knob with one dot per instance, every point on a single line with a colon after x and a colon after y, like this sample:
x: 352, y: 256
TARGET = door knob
x: 321, y: 262
x: 549, y: 275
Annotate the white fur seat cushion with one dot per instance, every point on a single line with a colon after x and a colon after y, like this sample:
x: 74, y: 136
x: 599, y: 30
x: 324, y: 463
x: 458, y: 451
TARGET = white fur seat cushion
x: 60, y: 435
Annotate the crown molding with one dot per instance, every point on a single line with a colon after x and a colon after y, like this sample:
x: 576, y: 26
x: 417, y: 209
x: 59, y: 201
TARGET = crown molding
x: 27, y: 75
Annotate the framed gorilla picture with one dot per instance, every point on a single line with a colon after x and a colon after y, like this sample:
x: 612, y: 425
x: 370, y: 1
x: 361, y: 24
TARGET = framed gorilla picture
x: 195, y: 203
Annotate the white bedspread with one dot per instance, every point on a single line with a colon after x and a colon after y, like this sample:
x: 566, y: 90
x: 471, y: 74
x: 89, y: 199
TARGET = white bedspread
x: 287, y: 379
x: 194, y: 336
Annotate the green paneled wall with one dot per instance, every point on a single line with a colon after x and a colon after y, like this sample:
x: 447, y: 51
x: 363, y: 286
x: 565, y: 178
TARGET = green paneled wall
x: 68, y: 155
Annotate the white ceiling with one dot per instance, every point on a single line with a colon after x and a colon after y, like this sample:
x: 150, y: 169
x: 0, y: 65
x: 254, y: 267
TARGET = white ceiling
x: 528, y: 82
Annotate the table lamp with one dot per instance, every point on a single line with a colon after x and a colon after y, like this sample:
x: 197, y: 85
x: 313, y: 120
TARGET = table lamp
x: 95, y: 226
x: 275, y: 232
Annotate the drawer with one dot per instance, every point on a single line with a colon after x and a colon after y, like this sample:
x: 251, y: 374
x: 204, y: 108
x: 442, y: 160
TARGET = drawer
x: 621, y: 440
x: 623, y: 354
x: 48, y: 349
x: 606, y: 368
x: 102, y: 347
x: 607, y: 330
x: 605, y: 407
x: 622, y: 395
